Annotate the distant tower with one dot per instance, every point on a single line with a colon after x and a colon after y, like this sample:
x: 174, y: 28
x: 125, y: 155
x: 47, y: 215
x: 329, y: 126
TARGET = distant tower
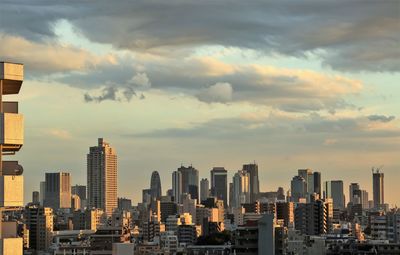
x: 204, y: 189
x: 378, y: 187
x: 102, y: 177
x: 155, y: 186
x: 190, y: 181
x: 252, y: 169
x: 57, y: 190
x: 177, y: 186
x: 219, y: 184
x: 334, y: 190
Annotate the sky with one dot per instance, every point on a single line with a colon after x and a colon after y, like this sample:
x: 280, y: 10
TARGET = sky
x: 287, y: 84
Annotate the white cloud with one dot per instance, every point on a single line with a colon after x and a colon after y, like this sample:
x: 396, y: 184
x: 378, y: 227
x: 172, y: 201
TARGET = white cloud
x: 217, y: 93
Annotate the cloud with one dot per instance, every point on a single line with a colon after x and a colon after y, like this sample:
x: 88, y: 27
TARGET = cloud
x: 49, y: 57
x: 59, y: 133
x: 381, y: 118
x: 345, y: 35
x: 141, y: 80
x: 121, y: 93
x: 217, y: 93
x: 108, y: 93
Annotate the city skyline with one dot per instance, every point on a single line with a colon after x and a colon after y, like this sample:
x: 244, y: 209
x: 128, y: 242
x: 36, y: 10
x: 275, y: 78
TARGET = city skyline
x: 289, y: 85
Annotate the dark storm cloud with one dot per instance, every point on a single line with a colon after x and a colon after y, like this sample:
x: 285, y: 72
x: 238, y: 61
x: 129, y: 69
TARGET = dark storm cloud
x: 347, y: 35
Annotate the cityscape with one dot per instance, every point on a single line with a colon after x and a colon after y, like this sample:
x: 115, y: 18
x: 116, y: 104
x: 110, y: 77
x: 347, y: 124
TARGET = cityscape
x: 187, y: 127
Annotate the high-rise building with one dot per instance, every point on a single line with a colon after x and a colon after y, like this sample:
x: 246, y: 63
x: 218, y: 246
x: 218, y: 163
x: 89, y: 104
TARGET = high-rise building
x: 177, y: 186
x: 352, y: 188
x: 155, y: 186
x: 361, y: 197
x: 334, y: 190
x: 204, y: 189
x: 298, y: 188
x: 219, y: 184
x: 240, y: 189
x: 313, y: 182
x: 102, y: 177
x: 190, y: 181
x: 312, y: 218
x: 58, y: 190
x: 317, y: 183
x: 124, y: 204
x: 79, y: 190
x: 35, y: 197
x: 41, y: 192
x: 39, y: 221
x: 378, y: 188
x: 252, y: 169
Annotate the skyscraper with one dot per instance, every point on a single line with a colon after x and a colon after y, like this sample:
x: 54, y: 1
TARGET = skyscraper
x: 378, y: 188
x: 190, y: 181
x: 102, y: 177
x: 252, y: 169
x: 204, y: 189
x: 57, y: 190
x: 353, y: 187
x: 334, y: 190
x: 298, y: 187
x: 317, y: 184
x: 155, y: 186
x: 219, y: 184
x: 177, y: 186
x: 79, y: 190
x: 240, y: 189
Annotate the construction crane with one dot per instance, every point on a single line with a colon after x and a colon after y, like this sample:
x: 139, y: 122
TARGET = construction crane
x: 377, y: 169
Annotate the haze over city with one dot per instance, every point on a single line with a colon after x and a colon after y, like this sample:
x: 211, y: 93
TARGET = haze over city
x: 289, y: 85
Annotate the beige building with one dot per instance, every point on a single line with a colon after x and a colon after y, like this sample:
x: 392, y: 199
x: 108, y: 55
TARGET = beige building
x: 57, y: 190
x: 102, y: 177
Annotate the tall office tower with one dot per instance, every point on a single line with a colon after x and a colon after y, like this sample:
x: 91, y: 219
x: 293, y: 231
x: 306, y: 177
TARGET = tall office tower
x: 361, y: 197
x: 219, y: 184
x: 41, y: 192
x: 308, y: 176
x: 252, y: 169
x: 317, y: 183
x: 334, y: 190
x: 39, y: 221
x: 353, y: 187
x: 35, y: 197
x: 378, y: 188
x: 240, y: 189
x: 280, y: 194
x: 146, y: 196
x: 177, y: 186
x: 102, y: 177
x: 298, y: 188
x: 204, y: 189
x: 58, y: 190
x: 155, y: 186
x: 79, y: 190
x: 190, y: 181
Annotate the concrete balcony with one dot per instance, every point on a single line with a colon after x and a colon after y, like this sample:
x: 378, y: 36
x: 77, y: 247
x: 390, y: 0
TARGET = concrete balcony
x: 11, y: 191
x: 11, y: 131
x: 12, y: 76
x: 11, y: 246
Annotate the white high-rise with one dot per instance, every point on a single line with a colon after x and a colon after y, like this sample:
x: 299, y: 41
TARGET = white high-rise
x: 241, y: 189
x: 102, y: 177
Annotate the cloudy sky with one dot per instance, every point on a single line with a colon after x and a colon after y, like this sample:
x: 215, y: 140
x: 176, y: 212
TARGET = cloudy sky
x: 287, y: 84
